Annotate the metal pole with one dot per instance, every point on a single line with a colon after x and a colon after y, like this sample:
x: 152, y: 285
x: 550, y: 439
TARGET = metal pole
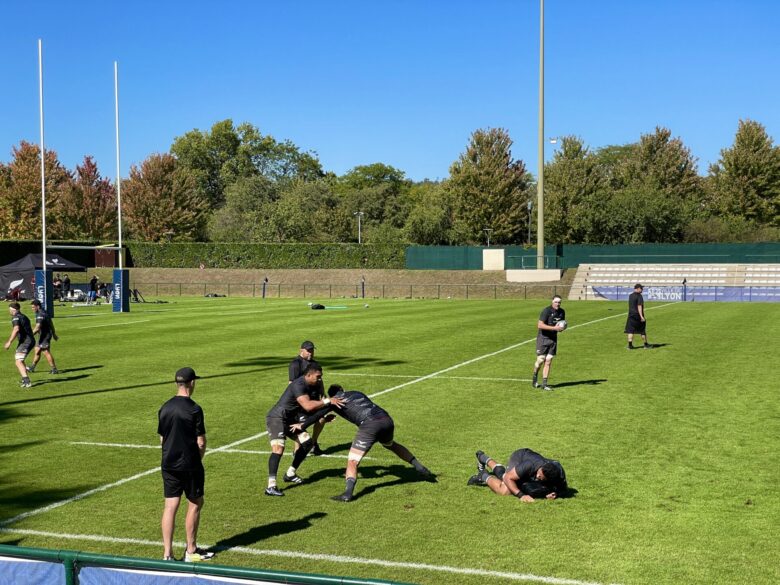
x: 540, y: 183
x: 118, y: 171
x: 43, y: 151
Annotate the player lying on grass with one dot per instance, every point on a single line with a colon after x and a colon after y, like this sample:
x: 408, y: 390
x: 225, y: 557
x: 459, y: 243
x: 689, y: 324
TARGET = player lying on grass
x: 374, y: 425
x: 527, y: 476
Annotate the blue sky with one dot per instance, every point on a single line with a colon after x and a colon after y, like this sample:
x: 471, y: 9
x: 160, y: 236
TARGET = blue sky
x: 403, y: 82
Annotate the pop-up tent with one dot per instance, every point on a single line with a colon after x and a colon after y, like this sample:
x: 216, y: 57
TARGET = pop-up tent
x: 17, y: 278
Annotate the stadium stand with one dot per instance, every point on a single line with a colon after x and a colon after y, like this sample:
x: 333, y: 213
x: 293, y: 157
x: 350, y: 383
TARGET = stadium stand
x: 592, y: 279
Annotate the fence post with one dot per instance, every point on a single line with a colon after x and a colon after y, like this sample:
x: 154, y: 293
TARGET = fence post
x: 304, y: 291
x: 179, y: 289
x: 70, y: 569
x: 228, y: 289
x: 204, y: 289
x: 254, y: 288
x: 383, y: 291
x: 494, y: 292
x: 467, y: 292
x: 410, y: 291
x: 157, y: 289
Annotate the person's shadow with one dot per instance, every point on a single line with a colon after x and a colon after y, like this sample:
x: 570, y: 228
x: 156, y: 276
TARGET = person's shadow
x: 581, y: 383
x: 657, y: 345
x: 259, y: 533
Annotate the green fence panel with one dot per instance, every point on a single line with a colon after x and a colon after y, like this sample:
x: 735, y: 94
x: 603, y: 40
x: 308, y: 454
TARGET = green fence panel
x: 444, y: 257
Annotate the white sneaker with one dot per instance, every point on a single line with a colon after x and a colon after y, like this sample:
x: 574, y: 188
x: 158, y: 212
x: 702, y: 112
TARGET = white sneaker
x: 198, y: 556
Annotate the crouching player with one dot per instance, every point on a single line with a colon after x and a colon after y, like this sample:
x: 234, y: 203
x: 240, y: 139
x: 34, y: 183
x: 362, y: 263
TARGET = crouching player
x: 374, y: 425
x: 528, y: 476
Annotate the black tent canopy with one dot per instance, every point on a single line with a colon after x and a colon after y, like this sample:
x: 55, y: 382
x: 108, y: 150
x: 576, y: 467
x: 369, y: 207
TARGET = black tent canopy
x: 17, y: 278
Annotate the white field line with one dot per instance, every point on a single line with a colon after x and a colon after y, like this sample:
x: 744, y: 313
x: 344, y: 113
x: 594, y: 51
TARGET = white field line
x: 113, y: 324
x: 319, y: 557
x: 157, y: 448
x: 332, y: 373
x: 105, y: 487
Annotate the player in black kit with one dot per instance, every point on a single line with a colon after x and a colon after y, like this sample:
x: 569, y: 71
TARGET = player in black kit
x: 636, y: 322
x: 295, y: 370
x: 294, y: 402
x: 21, y: 330
x: 374, y: 425
x: 44, y: 327
x: 547, y: 340
x: 527, y: 476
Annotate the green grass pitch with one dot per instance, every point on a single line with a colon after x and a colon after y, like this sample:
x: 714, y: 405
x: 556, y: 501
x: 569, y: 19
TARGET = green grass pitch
x: 674, y: 452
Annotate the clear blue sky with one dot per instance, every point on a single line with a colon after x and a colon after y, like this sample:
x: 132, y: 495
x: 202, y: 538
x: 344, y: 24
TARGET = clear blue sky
x: 403, y: 82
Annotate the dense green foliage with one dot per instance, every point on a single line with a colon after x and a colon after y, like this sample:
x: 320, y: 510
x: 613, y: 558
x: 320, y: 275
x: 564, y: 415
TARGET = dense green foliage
x: 673, y: 458
x: 235, y: 184
x: 269, y: 256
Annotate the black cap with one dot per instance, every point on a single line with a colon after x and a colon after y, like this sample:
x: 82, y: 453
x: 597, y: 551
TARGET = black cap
x: 307, y: 345
x: 185, y: 375
x: 637, y: 285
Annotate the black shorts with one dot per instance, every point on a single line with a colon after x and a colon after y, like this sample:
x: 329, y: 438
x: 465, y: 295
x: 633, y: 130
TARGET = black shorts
x: 635, y: 325
x: 44, y: 342
x: 372, y: 431
x: 546, y: 346
x: 191, y: 482
x: 24, y: 348
x: 278, y: 428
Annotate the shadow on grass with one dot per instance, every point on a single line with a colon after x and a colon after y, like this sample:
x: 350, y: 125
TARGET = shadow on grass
x: 15, y: 499
x: 331, y: 362
x: 81, y: 369
x: 400, y: 474
x: 580, y: 383
x: 58, y: 380
x: 7, y: 414
x: 6, y: 449
x: 119, y: 388
x: 658, y: 345
x: 333, y: 449
x: 258, y: 533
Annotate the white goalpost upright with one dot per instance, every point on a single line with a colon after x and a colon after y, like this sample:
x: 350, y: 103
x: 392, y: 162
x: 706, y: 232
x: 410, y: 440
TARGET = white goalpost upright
x: 44, y: 291
x: 121, y: 292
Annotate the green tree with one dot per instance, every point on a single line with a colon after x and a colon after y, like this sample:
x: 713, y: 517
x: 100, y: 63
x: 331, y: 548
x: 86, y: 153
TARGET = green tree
x: 380, y: 191
x: 430, y: 219
x: 244, y: 216
x: 20, y: 190
x: 489, y: 189
x: 746, y: 179
x: 161, y: 202
x: 219, y: 157
x: 87, y: 207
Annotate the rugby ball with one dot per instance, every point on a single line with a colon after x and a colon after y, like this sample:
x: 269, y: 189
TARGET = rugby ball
x: 562, y: 324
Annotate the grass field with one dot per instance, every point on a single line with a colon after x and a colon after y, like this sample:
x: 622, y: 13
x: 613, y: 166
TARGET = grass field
x: 674, y: 452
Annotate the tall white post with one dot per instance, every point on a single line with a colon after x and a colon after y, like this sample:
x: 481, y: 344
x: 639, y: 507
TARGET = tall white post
x: 540, y: 181
x: 43, y: 151
x: 118, y: 169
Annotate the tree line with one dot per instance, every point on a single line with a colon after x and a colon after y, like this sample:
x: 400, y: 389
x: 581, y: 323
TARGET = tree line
x: 234, y: 184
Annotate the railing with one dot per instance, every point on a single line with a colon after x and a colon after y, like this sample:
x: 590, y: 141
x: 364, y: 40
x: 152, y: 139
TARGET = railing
x: 88, y: 568
x: 360, y: 290
x: 700, y: 293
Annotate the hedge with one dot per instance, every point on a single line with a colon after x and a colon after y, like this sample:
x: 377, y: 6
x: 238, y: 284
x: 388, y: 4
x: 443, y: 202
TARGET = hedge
x: 269, y: 256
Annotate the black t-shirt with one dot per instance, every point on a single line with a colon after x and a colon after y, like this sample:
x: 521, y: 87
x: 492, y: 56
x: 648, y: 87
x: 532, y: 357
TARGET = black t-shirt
x: 93, y: 284
x: 357, y: 409
x: 180, y: 423
x: 297, y: 368
x: 527, y: 462
x: 550, y: 316
x: 634, y: 300
x: 43, y: 321
x: 25, y: 334
x: 287, y: 407
x: 66, y: 284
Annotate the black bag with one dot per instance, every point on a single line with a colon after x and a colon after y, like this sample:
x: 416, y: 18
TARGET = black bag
x: 317, y: 306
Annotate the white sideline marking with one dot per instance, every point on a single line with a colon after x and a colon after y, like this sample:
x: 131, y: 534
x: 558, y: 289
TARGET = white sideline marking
x: 332, y: 373
x: 107, y: 486
x: 157, y: 447
x: 112, y: 324
x: 318, y: 557
x: 102, y: 488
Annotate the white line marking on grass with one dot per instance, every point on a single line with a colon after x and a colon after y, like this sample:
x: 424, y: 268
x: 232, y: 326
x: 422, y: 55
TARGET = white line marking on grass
x: 157, y: 447
x: 494, y: 353
x: 318, y: 557
x: 107, y: 486
x: 112, y: 324
x: 102, y: 488
x: 332, y: 373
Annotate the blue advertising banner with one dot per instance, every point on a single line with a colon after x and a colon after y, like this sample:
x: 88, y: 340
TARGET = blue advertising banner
x: 120, y: 295
x: 29, y: 572
x: 44, y: 290
x: 729, y: 294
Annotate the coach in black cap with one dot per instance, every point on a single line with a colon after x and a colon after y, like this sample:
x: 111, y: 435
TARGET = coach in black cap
x: 182, y: 433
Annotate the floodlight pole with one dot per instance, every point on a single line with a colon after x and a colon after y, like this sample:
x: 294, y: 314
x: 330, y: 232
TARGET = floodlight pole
x: 118, y: 170
x: 43, y: 151
x: 540, y: 182
x: 360, y: 215
x: 487, y: 231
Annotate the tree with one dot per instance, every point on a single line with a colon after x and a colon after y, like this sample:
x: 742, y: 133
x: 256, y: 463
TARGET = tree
x: 430, y: 220
x: 20, y: 190
x: 244, y: 216
x: 380, y: 191
x: 87, y: 207
x: 489, y: 188
x: 746, y: 179
x: 161, y: 202
x: 218, y: 158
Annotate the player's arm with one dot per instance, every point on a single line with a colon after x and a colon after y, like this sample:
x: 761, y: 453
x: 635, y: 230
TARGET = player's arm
x: 510, y: 480
x: 542, y: 325
x: 14, y: 333
x: 54, y: 332
x: 202, y: 445
x: 312, y: 418
x: 310, y: 405
x: 37, y: 328
x: 641, y: 308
